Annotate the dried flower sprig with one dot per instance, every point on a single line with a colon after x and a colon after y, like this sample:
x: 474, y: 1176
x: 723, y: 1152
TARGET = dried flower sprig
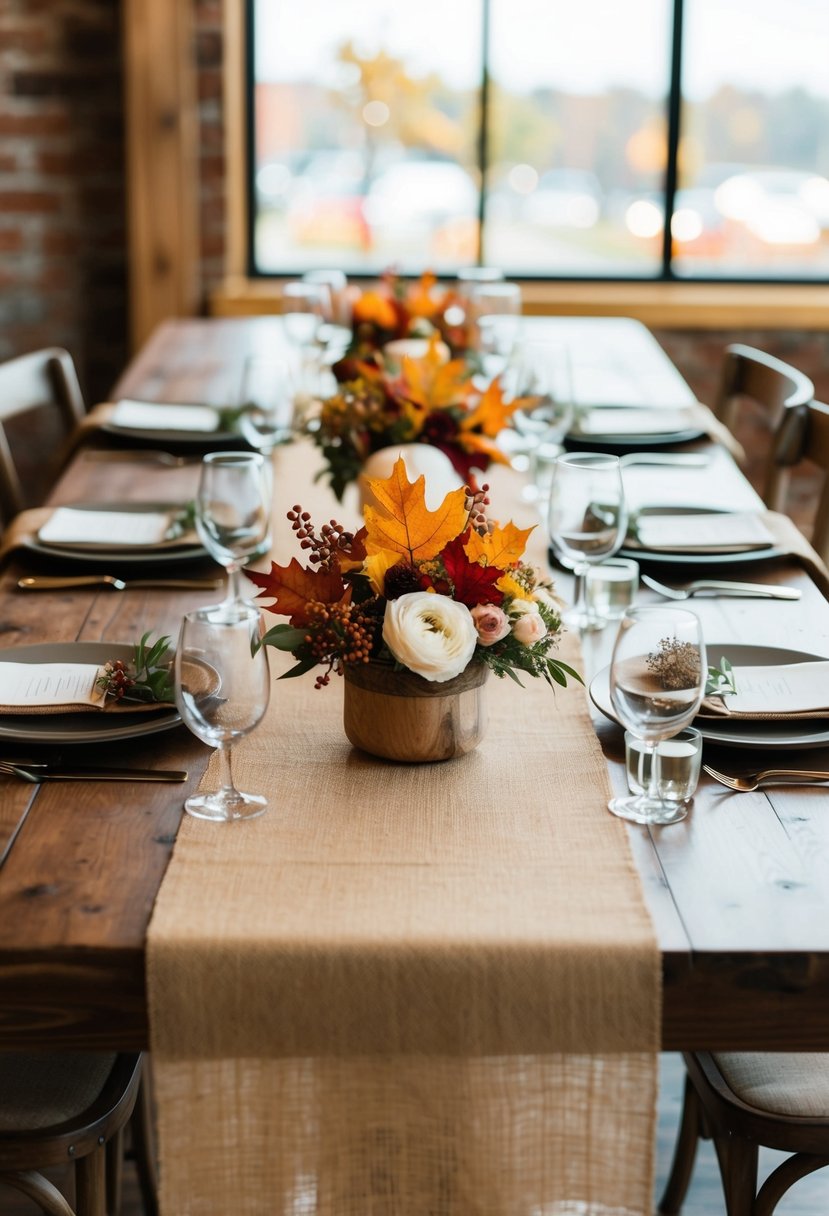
x: 147, y: 679
x: 676, y: 664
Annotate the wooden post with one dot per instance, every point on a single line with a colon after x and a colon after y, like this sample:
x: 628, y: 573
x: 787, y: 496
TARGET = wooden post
x: 162, y: 163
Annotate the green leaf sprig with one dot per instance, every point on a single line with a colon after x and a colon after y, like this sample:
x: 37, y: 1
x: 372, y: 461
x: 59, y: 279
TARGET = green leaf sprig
x: 720, y: 681
x: 146, y: 680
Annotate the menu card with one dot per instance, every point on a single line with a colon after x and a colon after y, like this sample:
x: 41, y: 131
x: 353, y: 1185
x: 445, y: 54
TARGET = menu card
x: 726, y: 532
x: 128, y: 529
x: 49, y: 687
x: 783, y: 691
x: 158, y: 416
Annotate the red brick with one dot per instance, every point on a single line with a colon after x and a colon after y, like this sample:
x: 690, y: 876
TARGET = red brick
x: 11, y: 240
x: 31, y: 125
x: 28, y: 202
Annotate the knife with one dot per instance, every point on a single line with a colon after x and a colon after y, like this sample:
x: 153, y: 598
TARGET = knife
x: 51, y: 582
x: 50, y: 772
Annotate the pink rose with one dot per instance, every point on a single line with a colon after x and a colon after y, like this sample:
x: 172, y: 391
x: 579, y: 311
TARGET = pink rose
x: 491, y: 622
x: 530, y: 627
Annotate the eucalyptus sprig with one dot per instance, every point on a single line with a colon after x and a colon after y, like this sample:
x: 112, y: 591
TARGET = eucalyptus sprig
x: 146, y: 680
x: 720, y: 681
x: 183, y: 521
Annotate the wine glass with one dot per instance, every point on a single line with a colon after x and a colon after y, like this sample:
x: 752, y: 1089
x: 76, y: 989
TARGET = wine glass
x: 306, y: 312
x: 266, y: 398
x: 657, y: 681
x: 542, y: 377
x: 495, y: 310
x: 233, y: 518
x: 587, y: 519
x: 222, y: 688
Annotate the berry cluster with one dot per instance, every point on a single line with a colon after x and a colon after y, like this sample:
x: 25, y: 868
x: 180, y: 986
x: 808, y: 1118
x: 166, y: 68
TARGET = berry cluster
x: 332, y: 540
x: 477, y: 501
x: 339, y: 633
x: 116, y: 680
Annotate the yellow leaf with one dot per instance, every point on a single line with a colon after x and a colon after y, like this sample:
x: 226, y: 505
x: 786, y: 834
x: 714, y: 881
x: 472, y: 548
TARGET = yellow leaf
x: 404, y: 524
x: 492, y: 413
x: 468, y: 441
x: 432, y: 382
x: 512, y: 588
x: 501, y: 547
x: 376, y: 565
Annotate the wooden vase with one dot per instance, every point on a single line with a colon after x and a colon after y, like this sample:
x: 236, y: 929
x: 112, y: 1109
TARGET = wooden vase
x: 400, y: 716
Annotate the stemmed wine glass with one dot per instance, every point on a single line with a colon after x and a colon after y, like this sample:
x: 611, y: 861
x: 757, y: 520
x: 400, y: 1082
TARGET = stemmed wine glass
x: 495, y: 310
x: 587, y: 520
x: 222, y: 688
x: 306, y: 311
x: 543, y: 380
x: 233, y: 518
x: 657, y: 681
x: 266, y: 398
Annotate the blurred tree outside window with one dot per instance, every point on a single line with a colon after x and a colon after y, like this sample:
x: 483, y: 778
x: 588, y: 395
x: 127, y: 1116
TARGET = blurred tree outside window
x: 534, y: 135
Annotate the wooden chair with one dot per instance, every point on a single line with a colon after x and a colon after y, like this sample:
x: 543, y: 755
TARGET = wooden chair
x: 40, y: 406
x: 747, y: 1100
x: 804, y: 435
x: 59, y: 1109
x: 777, y: 387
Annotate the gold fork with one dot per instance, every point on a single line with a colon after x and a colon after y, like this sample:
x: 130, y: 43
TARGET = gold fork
x: 751, y: 781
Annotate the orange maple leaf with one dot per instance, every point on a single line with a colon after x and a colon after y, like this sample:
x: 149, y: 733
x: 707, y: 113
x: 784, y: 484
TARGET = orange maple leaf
x: 404, y: 524
x: 470, y: 441
x: 431, y: 382
x: 293, y: 587
x: 492, y: 413
x: 376, y: 308
x: 501, y: 547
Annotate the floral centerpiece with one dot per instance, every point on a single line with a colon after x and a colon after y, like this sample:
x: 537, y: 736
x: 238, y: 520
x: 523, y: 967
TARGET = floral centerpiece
x: 396, y: 310
x: 432, y: 595
x: 428, y: 400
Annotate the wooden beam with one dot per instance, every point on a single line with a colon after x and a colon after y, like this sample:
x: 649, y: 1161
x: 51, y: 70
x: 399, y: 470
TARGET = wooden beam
x: 162, y: 163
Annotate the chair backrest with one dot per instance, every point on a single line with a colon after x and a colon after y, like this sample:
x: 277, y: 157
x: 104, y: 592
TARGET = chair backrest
x: 804, y: 435
x: 778, y: 388
x: 40, y: 407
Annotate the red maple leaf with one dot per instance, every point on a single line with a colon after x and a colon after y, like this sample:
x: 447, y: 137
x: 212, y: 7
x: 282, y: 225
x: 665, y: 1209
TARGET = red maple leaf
x: 473, y: 583
x: 293, y: 587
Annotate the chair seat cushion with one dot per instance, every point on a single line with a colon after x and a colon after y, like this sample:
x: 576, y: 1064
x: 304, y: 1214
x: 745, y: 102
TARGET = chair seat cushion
x: 782, y: 1083
x: 39, y: 1090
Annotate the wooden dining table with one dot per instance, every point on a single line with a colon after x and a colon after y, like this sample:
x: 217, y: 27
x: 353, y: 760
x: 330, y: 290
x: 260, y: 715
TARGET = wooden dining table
x: 738, y: 892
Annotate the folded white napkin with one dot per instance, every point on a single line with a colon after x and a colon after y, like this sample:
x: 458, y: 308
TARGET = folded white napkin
x: 49, y: 687
x: 158, y: 416
x: 722, y: 533
x: 649, y: 421
x: 112, y: 529
x: 788, y: 690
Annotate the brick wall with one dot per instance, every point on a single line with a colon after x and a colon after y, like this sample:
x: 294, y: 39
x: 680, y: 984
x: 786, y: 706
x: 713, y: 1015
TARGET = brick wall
x: 62, y: 232
x: 63, y: 262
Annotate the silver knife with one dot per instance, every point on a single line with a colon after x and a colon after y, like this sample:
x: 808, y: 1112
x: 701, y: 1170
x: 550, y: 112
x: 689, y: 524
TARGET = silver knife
x: 51, y: 582
x: 52, y: 772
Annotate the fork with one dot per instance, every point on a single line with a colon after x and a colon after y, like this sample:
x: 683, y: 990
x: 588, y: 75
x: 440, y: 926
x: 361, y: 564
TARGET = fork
x: 753, y: 590
x: 139, y: 455
x: 753, y: 780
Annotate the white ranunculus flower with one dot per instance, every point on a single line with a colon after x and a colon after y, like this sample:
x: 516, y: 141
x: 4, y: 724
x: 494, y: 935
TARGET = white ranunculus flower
x: 430, y: 634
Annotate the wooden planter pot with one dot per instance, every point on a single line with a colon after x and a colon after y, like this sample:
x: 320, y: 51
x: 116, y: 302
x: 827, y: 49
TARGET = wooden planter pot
x: 401, y: 716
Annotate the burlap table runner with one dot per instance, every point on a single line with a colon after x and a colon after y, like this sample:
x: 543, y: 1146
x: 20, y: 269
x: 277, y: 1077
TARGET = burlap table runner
x: 407, y: 990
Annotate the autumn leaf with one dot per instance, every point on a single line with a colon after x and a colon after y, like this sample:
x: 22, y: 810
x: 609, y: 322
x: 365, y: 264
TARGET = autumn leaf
x: 480, y: 445
x: 492, y: 413
x: 375, y: 308
x: 502, y: 547
x: 293, y: 587
x: 420, y: 299
x: 473, y: 583
x: 404, y: 524
x: 431, y: 382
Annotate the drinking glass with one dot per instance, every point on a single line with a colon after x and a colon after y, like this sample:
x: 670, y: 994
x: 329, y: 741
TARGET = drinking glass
x: 587, y: 519
x: 657, y: 681
x: 542, y: 378
x: 337, y: 284
x: 306, y: 313
x: 233, y: 518
x: 267, y: 400
x: 222, y: 691
x: 495, y: 311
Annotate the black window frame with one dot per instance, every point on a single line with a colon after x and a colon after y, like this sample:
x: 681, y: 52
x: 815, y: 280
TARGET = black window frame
x: 673, y: 106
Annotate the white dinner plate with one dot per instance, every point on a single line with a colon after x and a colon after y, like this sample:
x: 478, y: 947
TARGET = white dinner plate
x: 794, y: 735
x: 119, y: 556
x: 679, y: 558
x: 199, y: 441
x: 93, y: 727
x: 613, y: 441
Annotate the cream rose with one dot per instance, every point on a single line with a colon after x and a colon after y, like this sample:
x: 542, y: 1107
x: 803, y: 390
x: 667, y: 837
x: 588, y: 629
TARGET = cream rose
x: 528, y: 626
x: 432, y: 635
x: 491, y: 622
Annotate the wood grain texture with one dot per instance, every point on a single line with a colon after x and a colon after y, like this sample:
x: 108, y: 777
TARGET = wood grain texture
x: 738, y: 891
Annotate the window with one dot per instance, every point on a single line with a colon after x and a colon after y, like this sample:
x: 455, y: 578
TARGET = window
x: 545, y: 137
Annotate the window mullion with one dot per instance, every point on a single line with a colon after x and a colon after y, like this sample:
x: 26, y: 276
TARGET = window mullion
x: 483, y: 130
x: 674, y: 116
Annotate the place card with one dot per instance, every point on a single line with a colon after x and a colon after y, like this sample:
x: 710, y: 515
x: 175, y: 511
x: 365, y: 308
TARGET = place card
x: 721, y: 533
x: 122, y: 529
x: 49, y: 687
x: 160, y: 416
x: 787, y: 689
